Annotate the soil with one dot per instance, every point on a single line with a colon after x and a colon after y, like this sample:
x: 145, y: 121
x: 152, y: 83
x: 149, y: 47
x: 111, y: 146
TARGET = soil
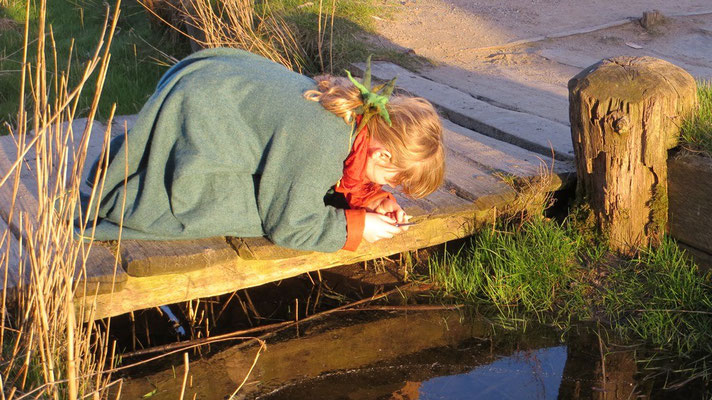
x: 470, y: 42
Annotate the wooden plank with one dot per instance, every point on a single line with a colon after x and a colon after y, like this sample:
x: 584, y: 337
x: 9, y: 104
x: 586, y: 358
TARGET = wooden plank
x: 233, y: 274
x: 702, y: 259
x: 25, y: 199
x: 474, y: 184
x: 441, y: 201
x: 546, y: 100
x: 151, y: 258
x: 97, y: 270
x: 99, y: 273
x: 9, y: 259
x: 99, y: 266
x: 505, y: 158
x: 261, y: 248
x: 579, y: 59
x: 689, y: 194
x: 73, y: 133
x: 525, y: 130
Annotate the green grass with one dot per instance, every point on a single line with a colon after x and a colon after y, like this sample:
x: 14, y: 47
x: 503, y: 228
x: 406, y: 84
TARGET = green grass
x: 142, y: 53
x: 697, y: 130
x: 553, y: 272
x: 661, y: 297
x: 524, y: 268
x: 136, y: 61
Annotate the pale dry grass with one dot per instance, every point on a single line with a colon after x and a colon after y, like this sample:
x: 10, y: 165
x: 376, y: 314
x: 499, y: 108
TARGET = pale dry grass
x: 47, y: 349
x: 50, y: 347
x: 235, y: 24
x: 532, y: 195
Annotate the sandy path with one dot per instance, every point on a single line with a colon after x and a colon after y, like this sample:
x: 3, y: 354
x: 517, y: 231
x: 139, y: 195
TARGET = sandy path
x: 462, y: 38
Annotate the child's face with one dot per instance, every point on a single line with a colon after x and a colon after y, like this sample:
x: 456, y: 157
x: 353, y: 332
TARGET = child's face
x: 379, y: 168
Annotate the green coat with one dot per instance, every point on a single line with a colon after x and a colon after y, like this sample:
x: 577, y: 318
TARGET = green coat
x: 228, y: 146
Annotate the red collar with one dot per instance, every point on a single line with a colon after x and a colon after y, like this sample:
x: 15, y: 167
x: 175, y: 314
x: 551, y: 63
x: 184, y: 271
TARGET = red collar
x: 354, y: 183
x: 355, y: 163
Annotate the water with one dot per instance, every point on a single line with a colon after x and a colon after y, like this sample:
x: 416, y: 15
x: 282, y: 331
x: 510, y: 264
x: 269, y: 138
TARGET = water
x: 420, y: 355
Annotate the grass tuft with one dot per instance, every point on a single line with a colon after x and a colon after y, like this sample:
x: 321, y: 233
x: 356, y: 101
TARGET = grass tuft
x: 527, y: 268
x: 661, y: 297
x: 241, y: 24
x: 555, y: 273
x: 697, y: 129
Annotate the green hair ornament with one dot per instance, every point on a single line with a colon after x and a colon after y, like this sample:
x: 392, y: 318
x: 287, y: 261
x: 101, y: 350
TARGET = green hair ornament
x: 374, y: 99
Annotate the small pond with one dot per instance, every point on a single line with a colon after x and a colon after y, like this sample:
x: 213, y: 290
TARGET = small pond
x: 437, y: 354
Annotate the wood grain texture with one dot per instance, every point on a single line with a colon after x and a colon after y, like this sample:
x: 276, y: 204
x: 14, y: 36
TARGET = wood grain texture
x: 690, y: 199
x: 474, y: 184
x: 19, y: 191
x: 98, y: 272
x: 440, y: 201
x: 625, y: 114
x: 495, y: 156
x: 9, y: 259
x: 230, y: 275
x: 261, y: 248
x: 152, y: 258
x: 526, y: 130
x: 703, y: 259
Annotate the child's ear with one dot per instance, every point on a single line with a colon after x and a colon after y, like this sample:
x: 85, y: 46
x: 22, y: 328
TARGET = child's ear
x: 384, y: 155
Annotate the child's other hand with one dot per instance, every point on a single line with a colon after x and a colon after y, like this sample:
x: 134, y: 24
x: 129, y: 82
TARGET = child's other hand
x: 392, y: 209
x: 378, y: 226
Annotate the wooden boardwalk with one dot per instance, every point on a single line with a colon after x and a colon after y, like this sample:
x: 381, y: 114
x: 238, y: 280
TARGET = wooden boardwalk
x: 484, y: 143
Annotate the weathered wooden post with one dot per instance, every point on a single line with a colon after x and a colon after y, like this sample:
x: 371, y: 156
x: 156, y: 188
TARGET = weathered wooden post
x: 625, y: 114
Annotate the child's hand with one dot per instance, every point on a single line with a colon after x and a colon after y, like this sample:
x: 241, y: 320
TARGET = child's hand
x: 378, y: 226
x: 391, y: 208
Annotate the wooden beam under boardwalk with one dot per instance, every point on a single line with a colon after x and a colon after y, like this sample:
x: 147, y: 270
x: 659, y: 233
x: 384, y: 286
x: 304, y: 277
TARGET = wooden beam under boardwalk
x: 236, y: 273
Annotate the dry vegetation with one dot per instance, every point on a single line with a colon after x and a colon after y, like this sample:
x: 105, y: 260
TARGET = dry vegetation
x: 47, y: 349
x: 232, y: 23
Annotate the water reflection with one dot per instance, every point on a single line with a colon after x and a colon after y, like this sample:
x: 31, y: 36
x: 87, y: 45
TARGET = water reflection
x: 537, y: 374
x: 408, y: 356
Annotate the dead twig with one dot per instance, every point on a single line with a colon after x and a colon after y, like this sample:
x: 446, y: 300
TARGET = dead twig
x: 274, y: 328
x: 414, y: 307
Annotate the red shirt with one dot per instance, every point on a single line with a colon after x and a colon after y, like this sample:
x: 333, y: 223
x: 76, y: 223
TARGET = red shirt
x: 357, y: 189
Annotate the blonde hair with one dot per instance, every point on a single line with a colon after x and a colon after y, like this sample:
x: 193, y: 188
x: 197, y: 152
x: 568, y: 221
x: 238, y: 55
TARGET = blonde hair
x: 414, y: 138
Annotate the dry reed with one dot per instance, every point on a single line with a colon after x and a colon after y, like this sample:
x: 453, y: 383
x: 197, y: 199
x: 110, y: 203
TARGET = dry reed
x: 532, y: 195
x: 47, y: 349
x: 51, y: 347
x: 236, y: 24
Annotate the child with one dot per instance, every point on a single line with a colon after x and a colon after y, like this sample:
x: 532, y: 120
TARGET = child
x: 232, y: 144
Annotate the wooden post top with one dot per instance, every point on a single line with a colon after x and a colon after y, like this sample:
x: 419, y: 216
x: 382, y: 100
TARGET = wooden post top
x: 632, y: 78
x: 635, y: 80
